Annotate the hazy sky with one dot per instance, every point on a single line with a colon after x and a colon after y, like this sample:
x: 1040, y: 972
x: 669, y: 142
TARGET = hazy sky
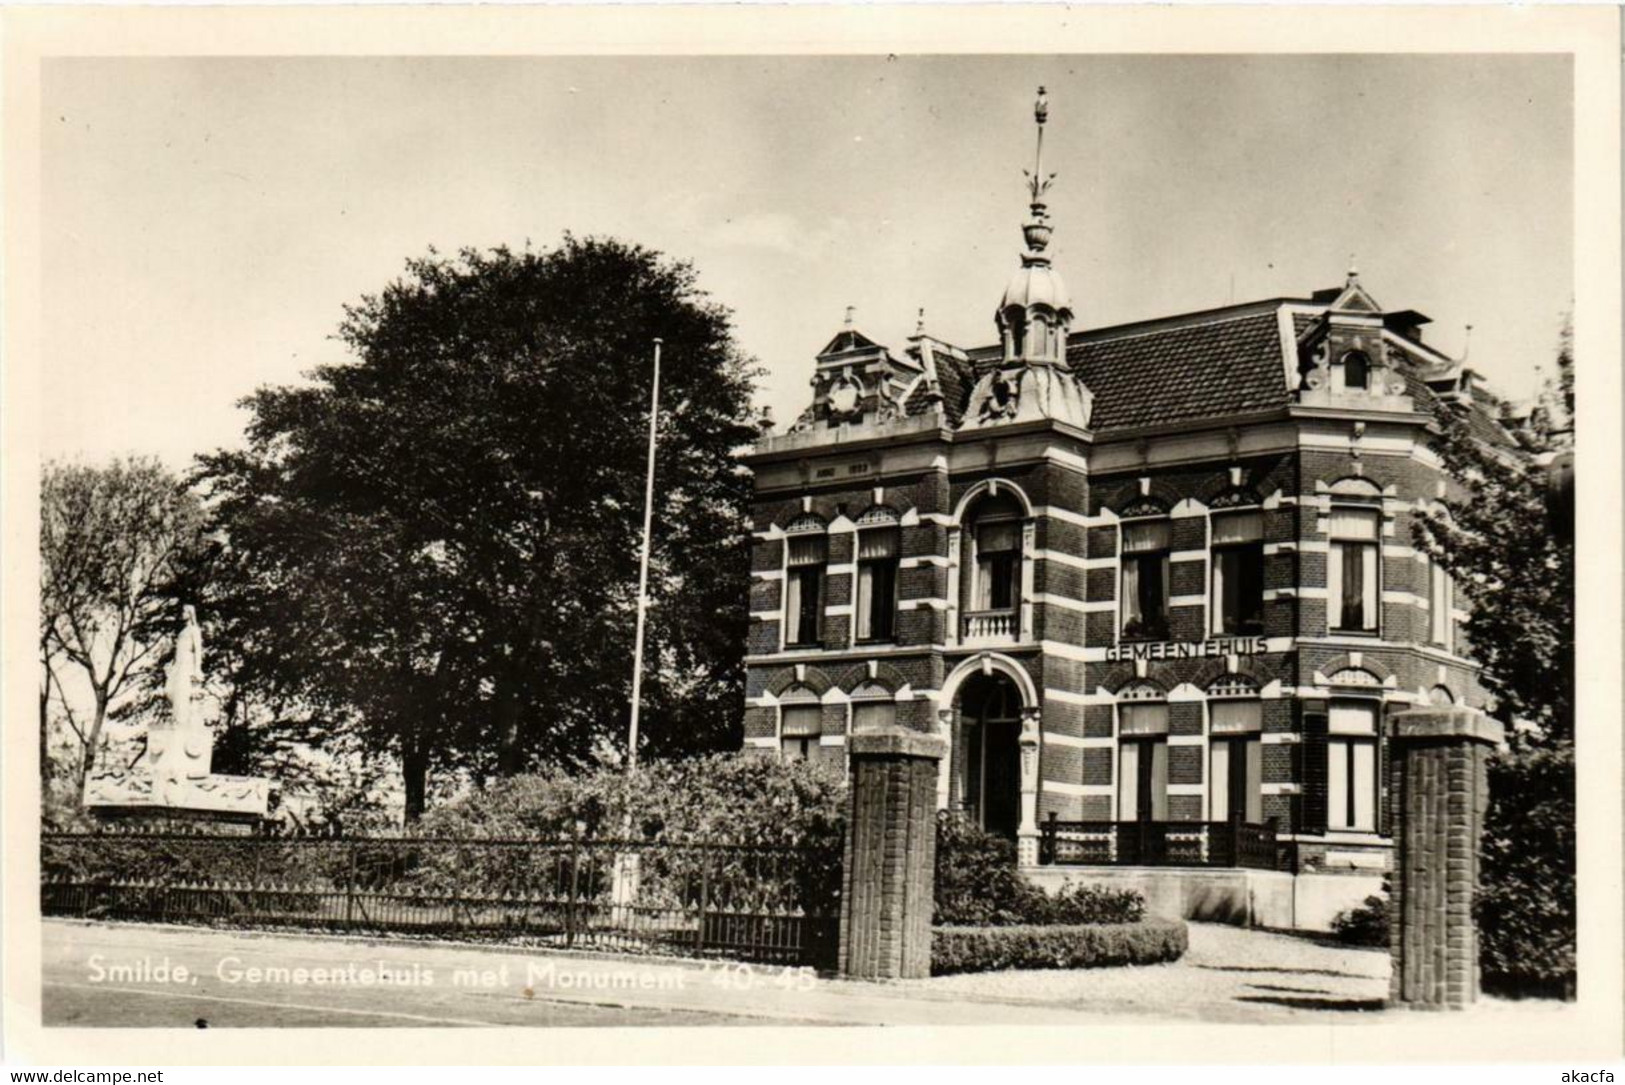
x: 206, y: 220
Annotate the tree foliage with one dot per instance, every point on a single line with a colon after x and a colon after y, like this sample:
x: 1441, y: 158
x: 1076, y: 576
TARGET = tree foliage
x: 436, y: 544
x: 1511, y: 561
x: 1509, y: 543
x: 113, y: 541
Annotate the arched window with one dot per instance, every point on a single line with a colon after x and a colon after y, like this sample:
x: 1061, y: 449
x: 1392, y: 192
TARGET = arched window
x: 1144, y: 588
x: 1441, y: 697
x: 1142, y: 754
x: 1353, y: 560
x: 1238, y: 572
x: 806, y: 549
x: 874, y: 708
x: 878, y: 549
x: 801, y: 724
x: 993, y: 589
x: 1235, y: 759
x: 1351, y: 762
x: 1356, y: 370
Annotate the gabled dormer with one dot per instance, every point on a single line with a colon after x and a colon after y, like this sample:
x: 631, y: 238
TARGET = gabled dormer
x: 856, y: 380
x: 1343, y: 360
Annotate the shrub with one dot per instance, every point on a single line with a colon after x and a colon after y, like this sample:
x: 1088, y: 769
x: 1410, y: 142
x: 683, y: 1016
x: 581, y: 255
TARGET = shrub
x: 1078, y: 904
x: 977, y: 880
x: 987, y: 949
x: 979, y: 885
x: 716, y: 799
x: 1366, y: 925
x: 1525, y: 905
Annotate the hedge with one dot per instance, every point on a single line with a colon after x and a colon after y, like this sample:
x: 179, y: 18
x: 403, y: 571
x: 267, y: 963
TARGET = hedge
x: 978, y: 884
x: 988, y: 949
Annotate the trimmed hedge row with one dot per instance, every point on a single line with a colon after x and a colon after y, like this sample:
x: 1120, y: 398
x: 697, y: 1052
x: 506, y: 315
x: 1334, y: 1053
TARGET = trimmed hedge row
x: 988, y: 949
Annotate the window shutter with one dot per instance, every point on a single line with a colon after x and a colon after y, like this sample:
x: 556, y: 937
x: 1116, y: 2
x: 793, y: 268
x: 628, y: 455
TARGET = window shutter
x: 1385, y: 821
x: 1312, y: 771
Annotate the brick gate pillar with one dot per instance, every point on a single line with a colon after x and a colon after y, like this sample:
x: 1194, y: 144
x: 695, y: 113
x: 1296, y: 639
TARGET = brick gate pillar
x: 891, y: 847
x: 1438, y: 793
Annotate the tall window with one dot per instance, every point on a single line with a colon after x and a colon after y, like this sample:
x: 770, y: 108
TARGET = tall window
x: 877, y: 583
x: 803, y: 588
x: 1238, y: 573
x: 1351, y: 770
x: 998, y: 563
x: 1351, y: 570
x: 1142, y: 757
x: 1145, y: 579
x: 1441, y: 597
x: 1236, y: 762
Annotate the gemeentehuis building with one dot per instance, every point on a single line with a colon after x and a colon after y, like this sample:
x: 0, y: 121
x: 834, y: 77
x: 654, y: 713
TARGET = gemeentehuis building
x: 1155, y: 583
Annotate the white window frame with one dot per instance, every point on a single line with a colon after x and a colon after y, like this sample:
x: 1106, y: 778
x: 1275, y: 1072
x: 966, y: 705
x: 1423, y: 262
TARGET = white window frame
x: 1335, y: 571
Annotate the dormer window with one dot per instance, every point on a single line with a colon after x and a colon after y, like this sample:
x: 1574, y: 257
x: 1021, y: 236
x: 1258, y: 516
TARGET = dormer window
x: 1356, y: 371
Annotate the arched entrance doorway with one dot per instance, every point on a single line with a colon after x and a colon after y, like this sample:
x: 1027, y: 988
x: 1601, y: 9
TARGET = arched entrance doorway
x: 990, y: 738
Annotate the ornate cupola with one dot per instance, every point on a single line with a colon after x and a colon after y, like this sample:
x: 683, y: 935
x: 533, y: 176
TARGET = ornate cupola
x: 1036, y: 312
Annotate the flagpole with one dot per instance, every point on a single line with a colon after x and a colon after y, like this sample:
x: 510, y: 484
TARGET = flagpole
x: 643, y: 574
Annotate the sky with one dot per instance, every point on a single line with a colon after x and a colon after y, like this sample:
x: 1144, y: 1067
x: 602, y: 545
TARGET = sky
x: 206, y: 220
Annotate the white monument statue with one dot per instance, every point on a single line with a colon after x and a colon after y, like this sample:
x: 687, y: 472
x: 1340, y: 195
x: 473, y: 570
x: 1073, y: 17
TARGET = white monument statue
x: 174, y: 774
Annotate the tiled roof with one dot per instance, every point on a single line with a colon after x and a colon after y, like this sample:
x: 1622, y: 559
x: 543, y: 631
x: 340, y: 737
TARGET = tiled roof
x: 956, y: 378
x: 1215, y: 368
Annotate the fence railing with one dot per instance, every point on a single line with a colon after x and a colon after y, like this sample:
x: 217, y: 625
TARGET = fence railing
x: 741, y: 901
x: 989, y: 624
x: 1159, y: 843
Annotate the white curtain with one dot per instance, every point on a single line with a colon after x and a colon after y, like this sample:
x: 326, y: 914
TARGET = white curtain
x: 1149, y: 718
x: 1238, y: 527
x: 1235, y: 717
x: 1128, y: 781
x: 1255, y: 781
x: 792, y: 609
x: 1141, y: 536
x: 801, y: 721
x: 1352, y: 718
x: 1358, y: 524
x: 873, y: 715
x: 806, y: 550
x: 1218, y: 773
x: 1131, y: 592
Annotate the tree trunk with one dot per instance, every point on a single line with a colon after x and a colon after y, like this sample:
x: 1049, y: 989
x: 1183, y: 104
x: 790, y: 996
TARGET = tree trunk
x: 93, y: 740
x: 415, y: 770
x: 510, y: 751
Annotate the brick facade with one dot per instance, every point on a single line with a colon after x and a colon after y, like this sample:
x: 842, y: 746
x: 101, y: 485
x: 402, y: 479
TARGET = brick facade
x: 1062, y: 651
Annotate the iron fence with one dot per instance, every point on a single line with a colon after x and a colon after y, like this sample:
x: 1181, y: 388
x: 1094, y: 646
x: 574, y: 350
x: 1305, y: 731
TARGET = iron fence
x: 1160, y: 843
x: 742, y: 901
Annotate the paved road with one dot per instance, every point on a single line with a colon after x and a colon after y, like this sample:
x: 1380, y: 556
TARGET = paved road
x: 100, y: 974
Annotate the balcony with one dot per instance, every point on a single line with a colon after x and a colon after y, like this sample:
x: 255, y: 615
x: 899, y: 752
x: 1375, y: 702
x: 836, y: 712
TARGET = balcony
x: 1159, y: 843
x: 989, y: 626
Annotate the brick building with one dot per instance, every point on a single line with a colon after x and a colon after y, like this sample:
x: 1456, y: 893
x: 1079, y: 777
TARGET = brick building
x: 1155, y: 583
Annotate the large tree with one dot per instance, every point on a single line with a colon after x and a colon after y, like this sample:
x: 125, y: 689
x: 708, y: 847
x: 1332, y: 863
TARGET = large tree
x: 113, y: 540
x: 438, y: 540
x: 1509, y: 543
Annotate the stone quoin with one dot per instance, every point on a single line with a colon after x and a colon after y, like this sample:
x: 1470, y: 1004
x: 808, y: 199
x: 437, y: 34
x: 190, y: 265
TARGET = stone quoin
x: 1154, y: 585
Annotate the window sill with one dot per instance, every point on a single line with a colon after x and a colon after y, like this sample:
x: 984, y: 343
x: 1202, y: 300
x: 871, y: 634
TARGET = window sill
x: 1372, y: 634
